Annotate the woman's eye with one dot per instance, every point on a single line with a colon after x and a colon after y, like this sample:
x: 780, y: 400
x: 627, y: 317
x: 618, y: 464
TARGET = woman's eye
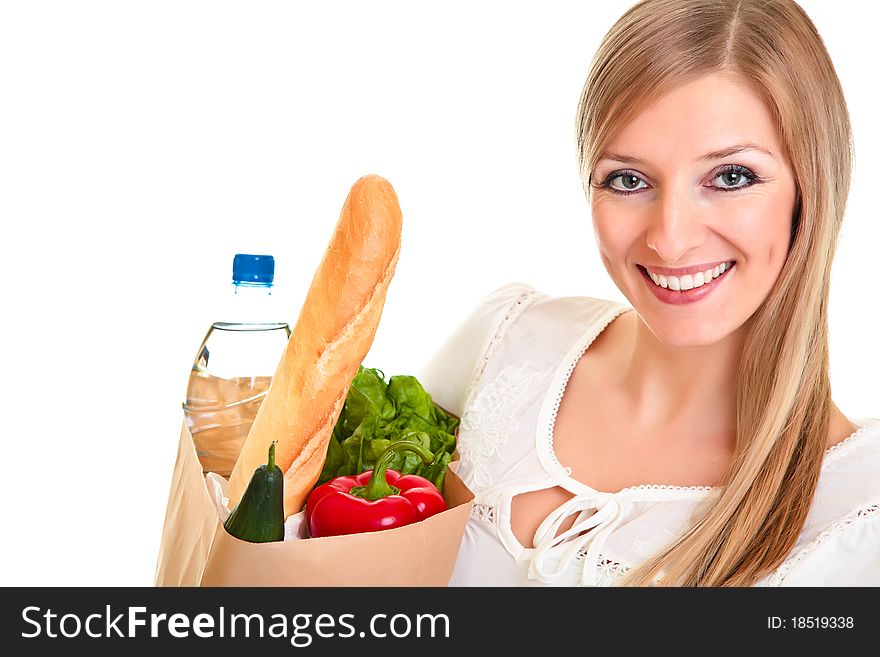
x: 627, y: 182
x: 734, y: 177
x: 729, y: 179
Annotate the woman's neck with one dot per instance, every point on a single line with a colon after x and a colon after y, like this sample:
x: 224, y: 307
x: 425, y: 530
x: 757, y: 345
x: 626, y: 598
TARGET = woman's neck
x: 683, y: 393
x: 679, y: 388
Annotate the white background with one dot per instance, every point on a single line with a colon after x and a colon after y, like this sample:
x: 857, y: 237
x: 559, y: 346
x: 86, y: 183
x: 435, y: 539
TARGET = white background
x: 143, y: 144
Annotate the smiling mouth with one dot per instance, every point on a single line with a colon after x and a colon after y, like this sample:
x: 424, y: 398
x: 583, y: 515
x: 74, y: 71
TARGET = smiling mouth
x: 689, y: 281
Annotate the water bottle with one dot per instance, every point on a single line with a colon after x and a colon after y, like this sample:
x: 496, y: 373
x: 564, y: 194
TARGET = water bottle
x: 234, y: 365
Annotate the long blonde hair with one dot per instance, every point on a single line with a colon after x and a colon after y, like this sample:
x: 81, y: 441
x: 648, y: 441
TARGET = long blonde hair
x: 783, y: 392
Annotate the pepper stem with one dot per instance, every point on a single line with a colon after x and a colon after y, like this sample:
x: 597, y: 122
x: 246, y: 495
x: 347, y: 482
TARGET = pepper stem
x: 378, y: 486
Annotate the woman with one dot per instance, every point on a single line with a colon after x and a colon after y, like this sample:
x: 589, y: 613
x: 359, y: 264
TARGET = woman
x: 688, y: 439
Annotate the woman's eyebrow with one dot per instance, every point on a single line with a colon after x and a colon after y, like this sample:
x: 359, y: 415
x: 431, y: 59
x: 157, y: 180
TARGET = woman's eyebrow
x: 714, y: 155
x: 739, y: 148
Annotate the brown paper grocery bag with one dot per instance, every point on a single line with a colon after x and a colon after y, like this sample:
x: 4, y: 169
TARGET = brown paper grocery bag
x: 196, y: 550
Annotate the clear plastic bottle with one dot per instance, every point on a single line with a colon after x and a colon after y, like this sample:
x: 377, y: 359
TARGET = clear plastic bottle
x: 234, y: 365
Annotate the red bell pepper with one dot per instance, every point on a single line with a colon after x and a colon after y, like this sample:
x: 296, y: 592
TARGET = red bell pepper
x: 376, y: 499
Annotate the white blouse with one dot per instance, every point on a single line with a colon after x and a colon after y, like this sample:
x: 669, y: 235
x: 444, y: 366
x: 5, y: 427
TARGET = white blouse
x: 504, y: 371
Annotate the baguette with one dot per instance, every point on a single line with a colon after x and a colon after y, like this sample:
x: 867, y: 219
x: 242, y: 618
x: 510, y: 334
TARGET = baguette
x: 334, y: 332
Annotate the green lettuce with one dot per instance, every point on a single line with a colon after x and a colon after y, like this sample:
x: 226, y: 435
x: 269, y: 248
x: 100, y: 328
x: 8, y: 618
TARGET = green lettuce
x: 376, y: 414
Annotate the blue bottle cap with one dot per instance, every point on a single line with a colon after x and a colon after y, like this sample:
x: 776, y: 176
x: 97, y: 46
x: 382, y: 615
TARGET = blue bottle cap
x: 250, y: 269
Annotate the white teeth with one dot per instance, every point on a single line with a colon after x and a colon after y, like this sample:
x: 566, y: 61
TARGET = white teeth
x: 689, y: 281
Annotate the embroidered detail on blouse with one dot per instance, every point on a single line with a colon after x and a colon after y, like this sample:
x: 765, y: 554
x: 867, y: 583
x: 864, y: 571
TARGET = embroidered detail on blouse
x: 491, y: 419
x: 520, y: 304
x: 642, y: 548
x: 864, y: 513
x: 607, y: 569
x: 483, y: 513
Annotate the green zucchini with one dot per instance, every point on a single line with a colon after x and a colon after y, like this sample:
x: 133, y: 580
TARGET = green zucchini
x: 259, y: 515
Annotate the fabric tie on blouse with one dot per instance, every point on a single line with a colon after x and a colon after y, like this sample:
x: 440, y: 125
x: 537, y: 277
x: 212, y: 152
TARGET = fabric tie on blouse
x: 554, y: 554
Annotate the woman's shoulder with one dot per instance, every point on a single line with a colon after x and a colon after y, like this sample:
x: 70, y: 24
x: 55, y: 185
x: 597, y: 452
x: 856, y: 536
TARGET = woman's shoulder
x: 840, y: 542
x: 850, y: 474
x: 851, y: 468
x: 511, y: 309
x: 528, y: 321
x: 849, y: 479
x: 511, y: 301
x: 450, y: 369
x: 514, y: 290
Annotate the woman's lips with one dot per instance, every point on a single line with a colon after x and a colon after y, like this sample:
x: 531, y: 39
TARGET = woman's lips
x: 681, y: 297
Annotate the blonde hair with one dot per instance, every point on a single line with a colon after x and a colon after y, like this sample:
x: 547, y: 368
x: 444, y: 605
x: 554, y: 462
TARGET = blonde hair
x: 783, y: 392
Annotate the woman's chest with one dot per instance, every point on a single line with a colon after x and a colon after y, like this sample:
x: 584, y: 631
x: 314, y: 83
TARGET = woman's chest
x: 593, y: 437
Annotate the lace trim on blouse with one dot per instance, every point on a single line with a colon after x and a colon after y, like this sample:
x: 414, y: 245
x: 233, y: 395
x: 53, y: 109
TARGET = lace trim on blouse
x: 836, y: 451
x: 485, y: 443
x: 859, y: 515
x: 669, y: 487
x: 515, y: 309
x: 611, y: 570
x: 557, y: 402
x: 830, y: 456
x: 560, y: 393
x: 606, y: 569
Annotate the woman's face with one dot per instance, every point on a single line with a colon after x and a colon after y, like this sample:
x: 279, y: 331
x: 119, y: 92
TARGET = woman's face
x: 695, y: 184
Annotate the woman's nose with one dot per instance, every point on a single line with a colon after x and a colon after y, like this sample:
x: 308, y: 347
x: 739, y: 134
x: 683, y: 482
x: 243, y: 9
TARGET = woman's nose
x: 675, y: 225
